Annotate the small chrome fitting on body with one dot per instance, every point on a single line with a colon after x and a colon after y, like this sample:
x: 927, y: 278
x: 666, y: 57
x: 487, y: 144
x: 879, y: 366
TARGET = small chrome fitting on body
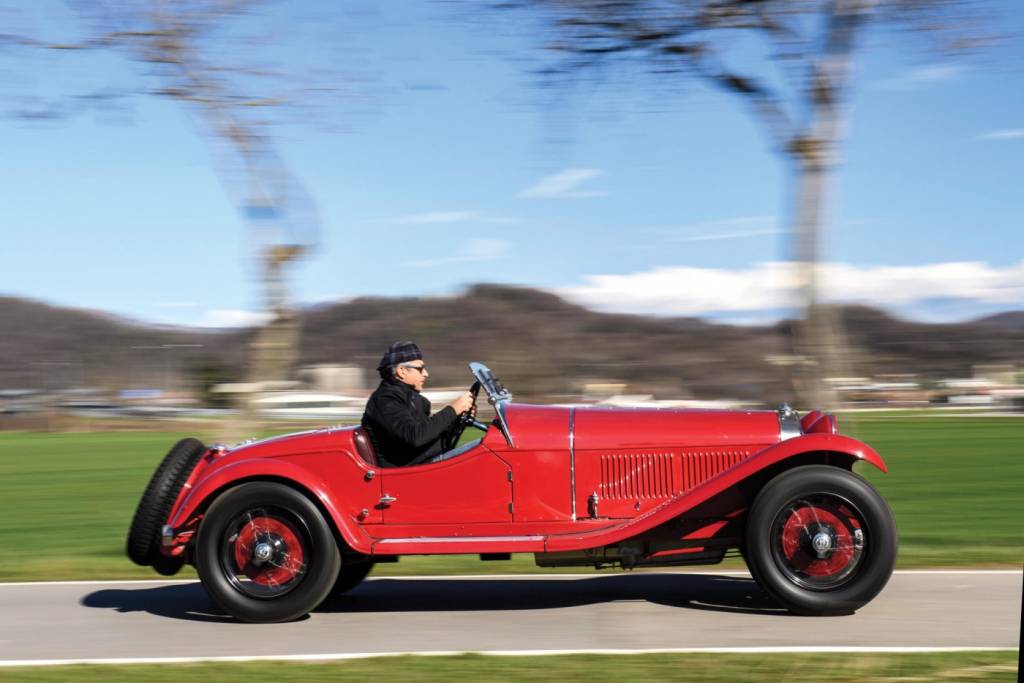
x: 789, y: 422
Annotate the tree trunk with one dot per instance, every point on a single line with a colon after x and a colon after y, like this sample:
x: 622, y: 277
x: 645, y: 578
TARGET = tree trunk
x: 273, y: 351
x: 816, y: 339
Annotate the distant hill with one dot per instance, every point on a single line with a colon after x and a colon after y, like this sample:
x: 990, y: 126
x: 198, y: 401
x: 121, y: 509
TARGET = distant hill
x: 1013, y: 320
x: 537, y: 342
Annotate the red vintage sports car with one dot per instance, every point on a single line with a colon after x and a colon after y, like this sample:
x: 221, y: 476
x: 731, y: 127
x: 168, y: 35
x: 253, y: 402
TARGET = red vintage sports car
x: 275, y: 526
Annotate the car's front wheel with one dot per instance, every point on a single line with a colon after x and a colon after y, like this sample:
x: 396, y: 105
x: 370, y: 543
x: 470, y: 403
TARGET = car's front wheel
x: 820, y: 540
x: 265, y: 553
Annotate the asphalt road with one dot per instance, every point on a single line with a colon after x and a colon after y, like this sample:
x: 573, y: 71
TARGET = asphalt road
x: 84, y: 621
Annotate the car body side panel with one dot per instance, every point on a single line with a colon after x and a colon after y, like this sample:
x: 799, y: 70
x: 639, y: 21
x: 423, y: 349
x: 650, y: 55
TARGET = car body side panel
x: 624, y: 483
x: 541, y: 486
x: 472, y: 488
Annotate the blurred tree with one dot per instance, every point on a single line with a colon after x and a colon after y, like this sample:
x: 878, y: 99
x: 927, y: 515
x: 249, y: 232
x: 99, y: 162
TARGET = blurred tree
x: 205, y: 375
x: 197, y: 52
x: 797, y: 89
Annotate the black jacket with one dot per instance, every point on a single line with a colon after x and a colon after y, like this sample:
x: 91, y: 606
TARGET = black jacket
x: 398, y: 420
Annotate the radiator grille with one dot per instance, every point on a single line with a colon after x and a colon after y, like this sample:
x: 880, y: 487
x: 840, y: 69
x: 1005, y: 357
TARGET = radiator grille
x: 632, y: 476
x: 699, y: 465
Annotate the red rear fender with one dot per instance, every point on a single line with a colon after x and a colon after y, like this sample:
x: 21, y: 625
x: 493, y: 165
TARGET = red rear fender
x: 207, y: 488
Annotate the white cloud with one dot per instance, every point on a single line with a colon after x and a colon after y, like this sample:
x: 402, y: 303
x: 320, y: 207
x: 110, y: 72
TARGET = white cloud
x: 563, y: 185
x: 225, y: 317
x: 773, y: 286
x: 1007, y: 134
x: 435, y: 217
x: 476, y: 250
x: 923, y: 76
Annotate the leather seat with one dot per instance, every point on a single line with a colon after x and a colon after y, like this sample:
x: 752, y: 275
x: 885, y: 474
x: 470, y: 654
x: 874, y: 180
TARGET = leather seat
x: 364, y: 446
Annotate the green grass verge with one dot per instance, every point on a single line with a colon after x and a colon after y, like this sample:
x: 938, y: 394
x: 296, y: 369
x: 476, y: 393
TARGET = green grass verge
x: 954, y: 485
x: 66, y: 499
x: 847, y: 668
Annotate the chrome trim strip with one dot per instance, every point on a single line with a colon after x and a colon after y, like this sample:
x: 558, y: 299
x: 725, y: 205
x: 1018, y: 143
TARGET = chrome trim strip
x: 789, y: 423
x: 572, y: 460
x: 458, y: 539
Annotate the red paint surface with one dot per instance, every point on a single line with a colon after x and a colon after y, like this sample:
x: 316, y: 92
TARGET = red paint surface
x: 648, y: 467
x: 474, y: 487
x: 599, y: 429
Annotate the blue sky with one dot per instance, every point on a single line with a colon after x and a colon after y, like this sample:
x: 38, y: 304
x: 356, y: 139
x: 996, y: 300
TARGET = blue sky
x: 447, y: 166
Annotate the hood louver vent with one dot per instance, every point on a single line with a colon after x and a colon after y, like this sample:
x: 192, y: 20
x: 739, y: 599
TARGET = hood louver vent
x: 634, y: 476
x: 699, y: 465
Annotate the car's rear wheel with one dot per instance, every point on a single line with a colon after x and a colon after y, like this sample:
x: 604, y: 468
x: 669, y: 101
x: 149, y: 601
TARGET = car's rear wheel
x: 351, y: 575
x: 820, y: 540
x: 143, y: 544
x: 265, y: 553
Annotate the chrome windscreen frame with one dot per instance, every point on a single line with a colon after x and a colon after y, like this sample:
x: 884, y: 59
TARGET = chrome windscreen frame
x: 497, y: 395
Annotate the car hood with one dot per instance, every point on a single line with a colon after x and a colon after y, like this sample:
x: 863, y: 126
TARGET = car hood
x: 601, y: 427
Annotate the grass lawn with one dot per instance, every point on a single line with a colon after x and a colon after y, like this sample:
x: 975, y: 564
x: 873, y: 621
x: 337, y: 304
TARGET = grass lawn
x: 983, y: 667
x: 955, y: 486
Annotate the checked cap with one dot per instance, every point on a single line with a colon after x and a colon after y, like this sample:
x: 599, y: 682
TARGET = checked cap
x: 400, y: 352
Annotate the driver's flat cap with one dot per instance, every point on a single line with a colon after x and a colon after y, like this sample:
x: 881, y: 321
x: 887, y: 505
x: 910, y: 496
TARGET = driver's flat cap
x: 400, y: 352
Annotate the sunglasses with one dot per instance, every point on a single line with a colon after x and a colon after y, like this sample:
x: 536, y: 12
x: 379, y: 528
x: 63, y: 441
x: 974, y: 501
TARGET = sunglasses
x: 419, y: 368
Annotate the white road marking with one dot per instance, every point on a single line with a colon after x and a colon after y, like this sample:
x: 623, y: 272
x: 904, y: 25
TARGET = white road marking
x: 440, y: 577
x: 341, y: 656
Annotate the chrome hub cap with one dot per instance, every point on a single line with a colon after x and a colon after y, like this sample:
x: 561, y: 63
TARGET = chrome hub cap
x: 262, y: 552
x: 822, y: 543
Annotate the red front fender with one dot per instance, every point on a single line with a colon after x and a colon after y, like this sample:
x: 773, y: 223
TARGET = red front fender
x: 279, y: 469
x: 832, y: 444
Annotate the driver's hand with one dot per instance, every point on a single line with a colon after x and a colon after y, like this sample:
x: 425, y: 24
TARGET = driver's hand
x: 463, y: 404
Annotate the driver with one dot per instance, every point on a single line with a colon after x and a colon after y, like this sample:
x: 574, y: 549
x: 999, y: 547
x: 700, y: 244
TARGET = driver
x: 397, y: 416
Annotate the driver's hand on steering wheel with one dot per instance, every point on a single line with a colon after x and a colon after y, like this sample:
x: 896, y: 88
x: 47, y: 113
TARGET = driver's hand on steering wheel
x: 463, y: 404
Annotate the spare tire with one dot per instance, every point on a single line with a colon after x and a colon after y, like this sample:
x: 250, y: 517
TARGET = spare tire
x: 143, y: 544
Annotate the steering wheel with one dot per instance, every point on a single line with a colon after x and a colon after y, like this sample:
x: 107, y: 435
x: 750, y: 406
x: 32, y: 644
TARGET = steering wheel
x: 465, y: 420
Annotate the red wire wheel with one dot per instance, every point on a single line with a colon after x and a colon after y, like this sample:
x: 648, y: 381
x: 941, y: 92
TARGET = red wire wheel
x: 266, y: 551
x: 818, y: 541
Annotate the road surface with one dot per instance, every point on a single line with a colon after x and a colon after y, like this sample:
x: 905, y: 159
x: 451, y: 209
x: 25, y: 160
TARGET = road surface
x: 57, y: 622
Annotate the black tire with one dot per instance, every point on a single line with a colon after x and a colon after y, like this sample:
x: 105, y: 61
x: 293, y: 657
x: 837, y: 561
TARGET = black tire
x: 350, y: 576
x: 820, y: 540
x: 300, y: 565
x: 143, y: 544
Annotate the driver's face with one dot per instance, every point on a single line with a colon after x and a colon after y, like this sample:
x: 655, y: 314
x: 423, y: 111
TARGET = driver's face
x: 413, y: 373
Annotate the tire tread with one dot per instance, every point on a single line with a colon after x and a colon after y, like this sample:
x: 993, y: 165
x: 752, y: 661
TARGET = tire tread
x: 143, y: 541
